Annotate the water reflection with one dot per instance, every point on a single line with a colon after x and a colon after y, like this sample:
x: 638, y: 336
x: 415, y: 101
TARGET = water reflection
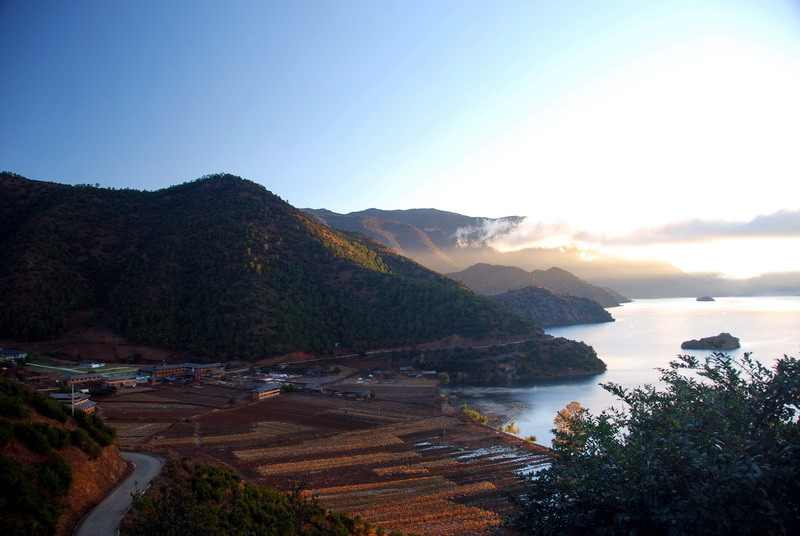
x: 647, y: 334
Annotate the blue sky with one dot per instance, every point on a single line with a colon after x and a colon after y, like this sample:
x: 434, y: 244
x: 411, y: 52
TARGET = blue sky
x: 607, y: 123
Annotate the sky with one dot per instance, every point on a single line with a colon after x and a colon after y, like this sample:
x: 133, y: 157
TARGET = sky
x: 664, y: 129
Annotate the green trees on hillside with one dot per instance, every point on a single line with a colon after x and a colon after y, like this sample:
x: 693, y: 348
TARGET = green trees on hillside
x: 716, y: 451
x: 210, y: 500
x: 34, y: 475
x: 219, y: 267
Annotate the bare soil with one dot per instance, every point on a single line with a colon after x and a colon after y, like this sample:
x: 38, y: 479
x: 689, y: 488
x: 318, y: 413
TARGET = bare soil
x: 402, y: 460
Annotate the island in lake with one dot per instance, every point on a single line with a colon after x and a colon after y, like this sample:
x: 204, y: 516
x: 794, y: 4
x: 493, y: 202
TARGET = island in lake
x: 723, y: 341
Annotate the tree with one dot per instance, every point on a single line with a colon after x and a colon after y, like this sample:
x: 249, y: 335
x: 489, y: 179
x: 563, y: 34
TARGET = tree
x: 716, y: 451
x: 568, y: 432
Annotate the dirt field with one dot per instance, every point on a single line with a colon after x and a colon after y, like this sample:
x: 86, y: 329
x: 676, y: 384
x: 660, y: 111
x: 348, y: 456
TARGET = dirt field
x: 401, y: 460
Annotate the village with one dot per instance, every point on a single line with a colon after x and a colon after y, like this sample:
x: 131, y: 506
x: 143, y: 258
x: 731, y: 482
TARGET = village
x: 365, y: 436
x: 74, y: 385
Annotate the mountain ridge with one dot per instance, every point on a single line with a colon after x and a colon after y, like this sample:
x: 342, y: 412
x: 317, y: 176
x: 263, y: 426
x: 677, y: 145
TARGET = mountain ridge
x: 221, y: 268
x: 464, y: 241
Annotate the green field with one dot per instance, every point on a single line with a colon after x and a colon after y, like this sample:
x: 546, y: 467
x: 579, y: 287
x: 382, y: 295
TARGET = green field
x: 107, y: 370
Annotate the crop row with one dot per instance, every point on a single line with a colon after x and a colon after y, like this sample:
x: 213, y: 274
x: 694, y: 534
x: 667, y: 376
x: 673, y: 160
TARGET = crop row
x: 338, y: 444
x: 422, y: 467
x: 431, y: 515
x: 322, y: 464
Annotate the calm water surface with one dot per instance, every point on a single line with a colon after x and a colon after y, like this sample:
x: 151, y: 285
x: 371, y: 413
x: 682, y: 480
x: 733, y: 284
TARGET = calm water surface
x: 646, y: 334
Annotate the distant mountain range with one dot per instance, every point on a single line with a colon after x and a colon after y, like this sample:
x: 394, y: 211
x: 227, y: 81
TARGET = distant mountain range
x: 450, y: 243
x: 222, y: 268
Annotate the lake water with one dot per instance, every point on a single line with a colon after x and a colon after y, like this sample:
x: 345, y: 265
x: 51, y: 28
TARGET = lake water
x: 646, y: 334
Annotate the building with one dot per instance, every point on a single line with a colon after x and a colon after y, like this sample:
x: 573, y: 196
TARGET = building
x: 121, y: 380
x: 196, y: 369
x: 92, y: 364
x: 72, y: 379
x: 76, y: 400
x: 265, y: 391
x: 9, y: 353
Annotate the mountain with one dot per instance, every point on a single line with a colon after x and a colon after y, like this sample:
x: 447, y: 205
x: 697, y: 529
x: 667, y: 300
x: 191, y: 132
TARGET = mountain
x: 548, y: 309
x: 222, y: 268
x: 404, y: 238
x: 448, y: 242
x: 54, y: 467
x: 490, y: 279
x: 428, y: 236
x: 562, y: 282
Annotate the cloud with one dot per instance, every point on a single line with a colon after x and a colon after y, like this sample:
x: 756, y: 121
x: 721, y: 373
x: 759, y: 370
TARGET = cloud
x: 485, y: 233
x: 513, y: 233
x: 781, y: 224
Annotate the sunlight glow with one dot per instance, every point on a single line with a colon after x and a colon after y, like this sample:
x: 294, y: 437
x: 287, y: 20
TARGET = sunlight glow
x: 740, y: 258
x: 654, y: 140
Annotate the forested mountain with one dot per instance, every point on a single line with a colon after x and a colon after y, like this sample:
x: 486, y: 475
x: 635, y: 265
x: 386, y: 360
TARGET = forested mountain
x: 426, y: 235
x: 491, y: 279
x: 218, y: 267
x: 548, y: 309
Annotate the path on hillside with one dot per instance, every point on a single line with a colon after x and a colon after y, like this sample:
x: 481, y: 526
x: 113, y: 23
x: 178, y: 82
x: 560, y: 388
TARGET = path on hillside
x: 104, y: 519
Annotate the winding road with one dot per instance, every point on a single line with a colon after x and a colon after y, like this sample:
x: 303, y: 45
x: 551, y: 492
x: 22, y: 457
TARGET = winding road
x: 104, y: 519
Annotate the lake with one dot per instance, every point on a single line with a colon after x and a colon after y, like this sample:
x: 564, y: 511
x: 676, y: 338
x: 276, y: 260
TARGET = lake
x: 646, y: 334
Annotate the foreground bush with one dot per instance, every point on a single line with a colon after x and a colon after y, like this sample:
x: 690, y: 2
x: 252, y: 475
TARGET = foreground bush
x: 717, y: 451
x: 210, y: 500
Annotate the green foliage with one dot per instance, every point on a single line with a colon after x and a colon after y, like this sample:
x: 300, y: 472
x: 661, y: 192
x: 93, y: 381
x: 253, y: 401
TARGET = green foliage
x: 41, y: 437
x: 218, y: 267
x: 16, y: 398
x: 31, y: 501
x: 98, y: 430
x: 207, y: 500
x: 12, y: 407
x: 716, y: 451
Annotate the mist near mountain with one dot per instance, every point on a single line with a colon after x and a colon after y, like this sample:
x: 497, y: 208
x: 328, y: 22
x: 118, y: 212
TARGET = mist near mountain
x: 448, y: 243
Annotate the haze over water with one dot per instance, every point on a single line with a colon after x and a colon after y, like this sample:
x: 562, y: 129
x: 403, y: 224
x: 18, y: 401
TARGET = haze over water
x: 646, y: 334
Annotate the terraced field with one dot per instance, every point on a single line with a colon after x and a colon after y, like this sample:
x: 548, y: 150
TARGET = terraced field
x: 402, y: 460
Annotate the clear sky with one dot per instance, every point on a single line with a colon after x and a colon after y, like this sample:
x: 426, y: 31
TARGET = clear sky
x: 653, y: 128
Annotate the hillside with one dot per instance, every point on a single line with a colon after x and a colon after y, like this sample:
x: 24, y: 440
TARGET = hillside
x: 209, y: 499
x: 562, y: 282
x: 491, y: 279
x: 548, y: 309
x: 428, y: 236
x: 219, y: 267
x: 54, y: 467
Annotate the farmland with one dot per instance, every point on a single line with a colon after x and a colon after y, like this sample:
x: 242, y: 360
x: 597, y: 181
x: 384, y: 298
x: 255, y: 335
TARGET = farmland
x: 402, y: 460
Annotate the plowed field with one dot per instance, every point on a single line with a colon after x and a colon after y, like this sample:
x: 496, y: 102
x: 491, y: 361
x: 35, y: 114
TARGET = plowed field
x: 401, y: 460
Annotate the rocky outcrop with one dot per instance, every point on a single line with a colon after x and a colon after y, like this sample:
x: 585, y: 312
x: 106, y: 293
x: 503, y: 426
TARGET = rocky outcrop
x: 549, y: 309
x: 723, y: 341
x: 705, y: 298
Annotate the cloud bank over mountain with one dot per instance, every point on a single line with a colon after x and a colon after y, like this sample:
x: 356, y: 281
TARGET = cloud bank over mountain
x: 781, y: 224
